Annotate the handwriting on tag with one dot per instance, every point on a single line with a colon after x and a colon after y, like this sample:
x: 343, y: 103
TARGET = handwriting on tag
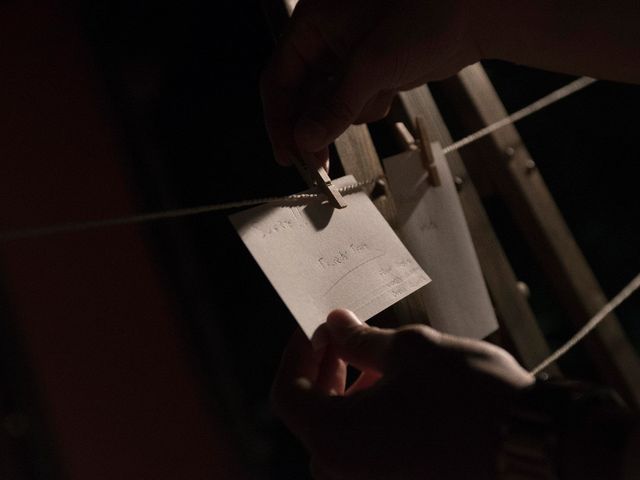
x: 319, y: 258
x: 433, y: 227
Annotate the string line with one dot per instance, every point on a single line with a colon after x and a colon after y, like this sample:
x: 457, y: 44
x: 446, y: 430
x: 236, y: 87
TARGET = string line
x: 545, y: 101
x: 169, y: 214
x: 536, y: 106
x: 625, y: 293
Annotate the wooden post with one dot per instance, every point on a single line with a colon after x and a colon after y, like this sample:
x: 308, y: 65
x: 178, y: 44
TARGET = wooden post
x: 516, y: 319
x: 517, y: 180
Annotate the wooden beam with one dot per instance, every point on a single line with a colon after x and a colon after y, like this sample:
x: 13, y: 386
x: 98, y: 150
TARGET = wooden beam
x: 514, y: 313
x: 359, y: 158
x: 521, y: 185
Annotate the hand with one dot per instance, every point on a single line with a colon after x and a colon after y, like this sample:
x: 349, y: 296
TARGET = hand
x: 342, y: 61
x: 426, y: 405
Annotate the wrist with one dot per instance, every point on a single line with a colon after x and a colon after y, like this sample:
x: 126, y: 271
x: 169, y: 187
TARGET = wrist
x: 564, y: 430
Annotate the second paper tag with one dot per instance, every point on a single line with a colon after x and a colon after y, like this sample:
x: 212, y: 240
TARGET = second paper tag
x: 432, y: 225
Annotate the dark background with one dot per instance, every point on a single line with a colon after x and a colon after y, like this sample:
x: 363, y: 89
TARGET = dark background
x: 180, y: 86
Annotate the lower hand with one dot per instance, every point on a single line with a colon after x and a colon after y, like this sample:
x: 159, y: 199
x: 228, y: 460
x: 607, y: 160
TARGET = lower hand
x: 426, y: 405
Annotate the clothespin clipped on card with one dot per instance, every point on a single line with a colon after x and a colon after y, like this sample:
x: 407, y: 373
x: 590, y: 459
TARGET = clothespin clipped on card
x: 426, y: 152
x: 423, y: 144
x: 316, y: 176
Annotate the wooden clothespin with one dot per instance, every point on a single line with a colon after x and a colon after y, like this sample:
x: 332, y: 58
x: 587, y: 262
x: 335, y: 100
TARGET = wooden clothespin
x: 426, y: 152
x: 410, y: 143
x: 404, y: 137
x: 318, y: 177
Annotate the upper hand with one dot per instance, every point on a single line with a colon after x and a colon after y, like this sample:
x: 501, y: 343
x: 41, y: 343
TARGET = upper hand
x: 342, y: 61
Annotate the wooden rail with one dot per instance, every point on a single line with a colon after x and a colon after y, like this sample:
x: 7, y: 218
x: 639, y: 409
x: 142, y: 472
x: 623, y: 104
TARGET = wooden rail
x: 517, y: 322
x: 506, y: 159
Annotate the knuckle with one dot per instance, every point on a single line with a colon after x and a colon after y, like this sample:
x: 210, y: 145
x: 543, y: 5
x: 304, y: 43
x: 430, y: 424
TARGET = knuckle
x: 373, y: 113
x: 502, y: 357
x: 356, y: 340
x: 399, y: 66
x: 413, y: 342
x: 341, y: 111
x: 413, y: 336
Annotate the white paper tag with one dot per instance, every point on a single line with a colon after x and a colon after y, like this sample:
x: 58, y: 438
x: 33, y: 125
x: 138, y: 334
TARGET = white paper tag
x: 319, y: 258
x: 433, y: 227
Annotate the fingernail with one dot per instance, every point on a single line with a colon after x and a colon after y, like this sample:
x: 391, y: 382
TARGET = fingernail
x: 303, y: 383
x: 310, y: 135
x: 341, y: 319
x: 319, y: 339
x: 322, y: 159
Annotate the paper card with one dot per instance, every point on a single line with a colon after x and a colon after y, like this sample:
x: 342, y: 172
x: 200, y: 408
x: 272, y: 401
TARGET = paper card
x: 433, y: 227
x: 319, y: 258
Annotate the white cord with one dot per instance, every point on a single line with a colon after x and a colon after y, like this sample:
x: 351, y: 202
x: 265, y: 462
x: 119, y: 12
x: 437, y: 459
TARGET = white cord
x: 167, y: 214
x: 536, y: 106
x: 553, y: 97
x: 591, y: 324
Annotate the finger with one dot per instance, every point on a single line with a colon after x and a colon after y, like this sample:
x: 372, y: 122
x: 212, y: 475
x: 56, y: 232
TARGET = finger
x: 279, y: 86
x: 367, y: 379
x: 318, y: 420
x: 310, y: 415
x: 291, y: 392
x: 322, y: 158
x: 301, y: 61
x: 328, y: 116
x: 367, y: 348
x: 332, y: 374
x: 278, y: 103
x: 377, y: 108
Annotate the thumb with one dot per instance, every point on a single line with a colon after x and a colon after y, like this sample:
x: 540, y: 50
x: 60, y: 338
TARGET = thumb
x: 330, y: 115
x: 367, y: 348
